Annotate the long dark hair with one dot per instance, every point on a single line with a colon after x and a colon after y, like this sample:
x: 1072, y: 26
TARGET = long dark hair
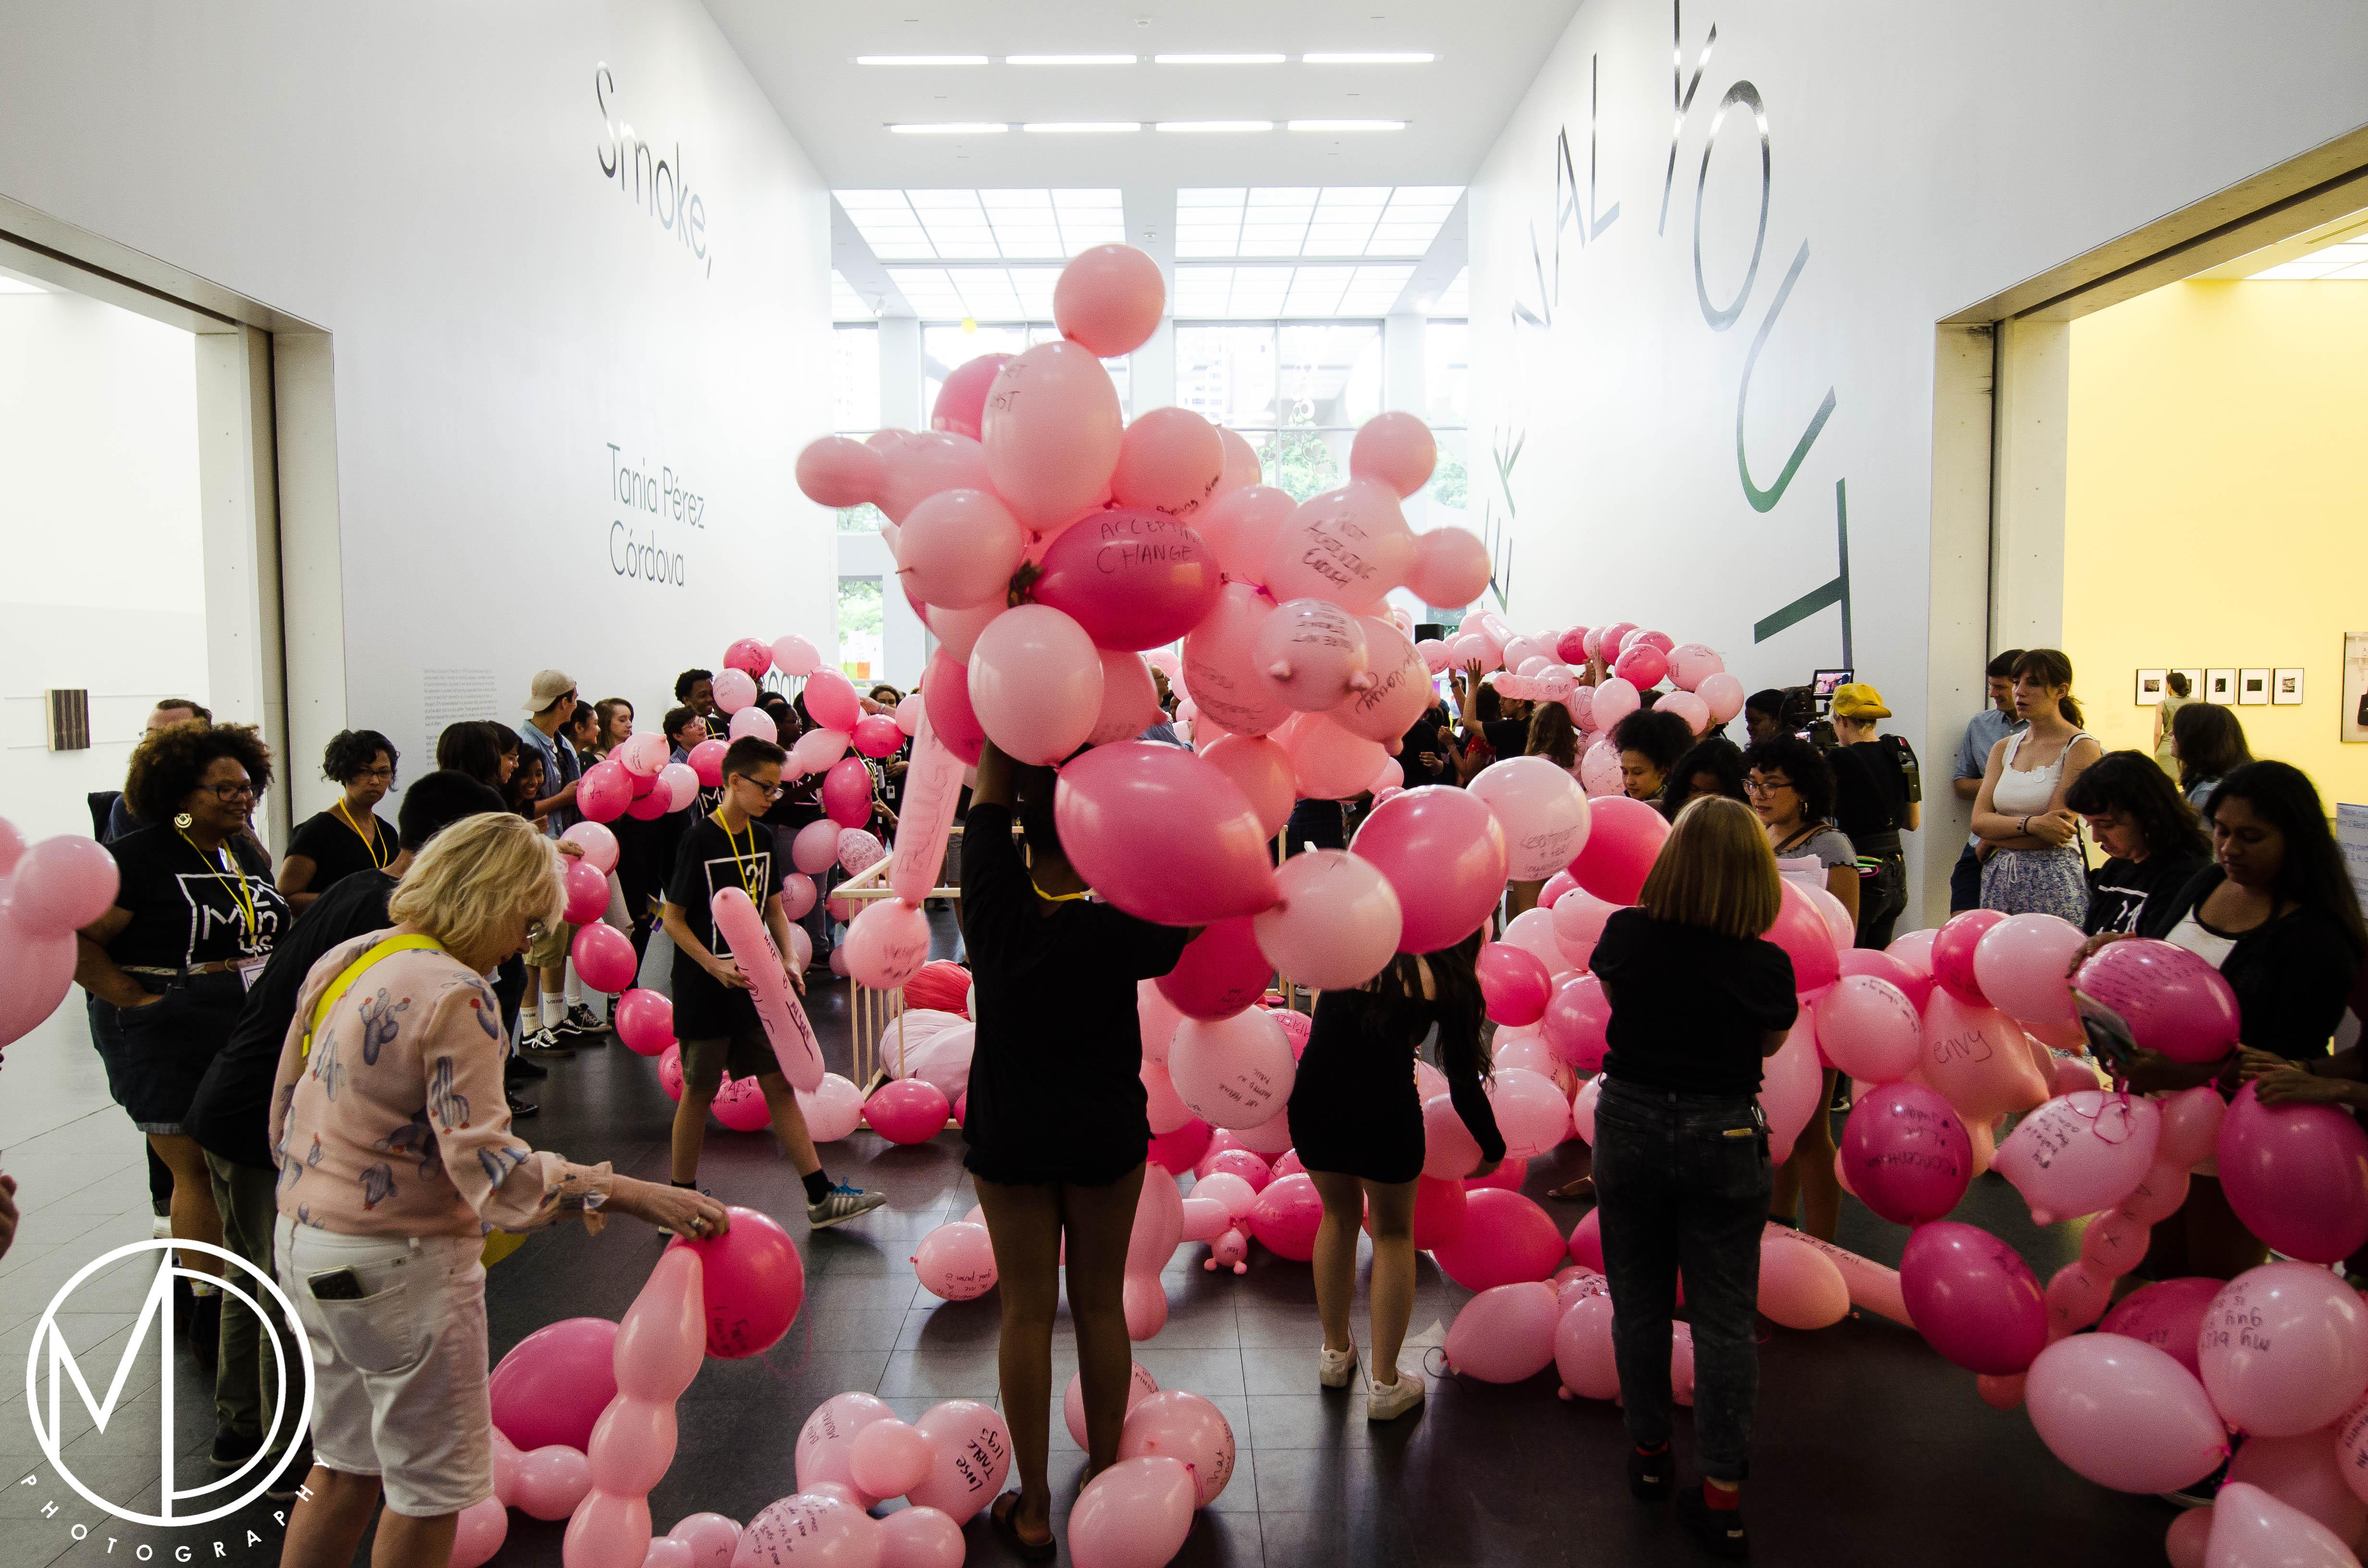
x: 2050, y: 667
x: 1552, y: 735
x: 2210, y: 743
x: 2134, y: 783
x: 1456, y: 1003
x: 469, y: 747
x: 1718, y: 757
x: 2313, y: 874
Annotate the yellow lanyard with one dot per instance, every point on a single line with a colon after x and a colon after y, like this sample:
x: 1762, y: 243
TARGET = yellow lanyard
x: 752, y: 878
x: 236, y: 883
x: 369, y: 839
x: 1054, y: 897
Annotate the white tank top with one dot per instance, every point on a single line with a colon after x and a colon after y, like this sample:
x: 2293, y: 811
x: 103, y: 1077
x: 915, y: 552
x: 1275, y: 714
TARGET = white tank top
x: 2028, y: 792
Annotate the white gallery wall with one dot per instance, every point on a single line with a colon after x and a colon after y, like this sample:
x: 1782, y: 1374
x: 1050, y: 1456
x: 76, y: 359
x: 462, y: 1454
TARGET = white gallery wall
x: 567, y: 399
x: 1690, y: 360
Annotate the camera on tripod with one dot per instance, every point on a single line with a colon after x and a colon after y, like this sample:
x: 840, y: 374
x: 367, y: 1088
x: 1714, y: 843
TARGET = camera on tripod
x: 1808, y: 710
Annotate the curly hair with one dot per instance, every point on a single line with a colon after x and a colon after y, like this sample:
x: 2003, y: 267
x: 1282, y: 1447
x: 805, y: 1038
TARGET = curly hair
x: 350, y: 750
x: 1804, y: 764
x: 168, y: 762
x: 2134, y: 784
x: 1660, y: 738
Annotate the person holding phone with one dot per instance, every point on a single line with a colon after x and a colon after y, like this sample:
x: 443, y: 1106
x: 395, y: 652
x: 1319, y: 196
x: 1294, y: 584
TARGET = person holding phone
x: 395, y: 1155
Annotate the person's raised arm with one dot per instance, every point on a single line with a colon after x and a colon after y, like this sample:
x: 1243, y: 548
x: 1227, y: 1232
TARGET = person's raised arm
x: 998, y: 779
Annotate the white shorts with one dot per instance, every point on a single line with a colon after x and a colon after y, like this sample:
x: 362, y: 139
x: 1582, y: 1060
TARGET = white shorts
x: 399, y: 1375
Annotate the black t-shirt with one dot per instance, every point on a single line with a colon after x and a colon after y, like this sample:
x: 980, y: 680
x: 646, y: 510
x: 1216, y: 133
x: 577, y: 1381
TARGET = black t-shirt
x: 230, y: 1115
x: 708, y: 860
x: 1870, y: 794
x: 1506, y: 737
x: 1424, y: 737
x: 337, y: 851
x: 1055, y: 1080
x: 2119, y: 890
x: 1689, y: 1006
x: 186, y: 908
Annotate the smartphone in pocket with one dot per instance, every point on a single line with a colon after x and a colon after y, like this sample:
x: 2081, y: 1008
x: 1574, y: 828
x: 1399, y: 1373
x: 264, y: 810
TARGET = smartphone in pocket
x: 336, y: 1285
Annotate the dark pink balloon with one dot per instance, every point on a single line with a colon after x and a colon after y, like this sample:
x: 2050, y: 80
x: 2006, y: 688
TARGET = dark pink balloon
x: 754, y: 1283
x: 1586, y: 1241
x: 554, y: 1383
x: 2173, y: 1001
x: 1514, y: 983
x: 962, y: 399
x: 1952, y: 954
x: 1571, y: 646
x: 1163, y: 834
x: 1179, y: 1151
x: 1506, y: 1238
x: 707, y: 761
x: 2296, y: 1175
x: 847, y: 792
x: 2167, y: 1315
x: 1623, y: 837
x: 1913, y: 982
x: 1805, y: 938
x: 945, y: 691
x: 1643, y: 666
x: 751, y: 655
x: 1973, y: 1298
x: 1443, y: 851
x: 1577, y: 1017
x: 1907, y: 1153
x: 1133, y: 579
x: 1222, y: 971
x: 876, y: 735
x: 604, y: 791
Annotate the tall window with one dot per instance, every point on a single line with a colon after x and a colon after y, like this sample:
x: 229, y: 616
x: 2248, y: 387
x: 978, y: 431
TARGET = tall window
x: 1297, y: 390
x: 1447, y: 384
x: 855, y: 405
x: 859, y: 627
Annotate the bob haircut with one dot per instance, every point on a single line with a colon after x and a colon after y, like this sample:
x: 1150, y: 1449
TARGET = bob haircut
x: 1715, y: 871
x: 475, y: 877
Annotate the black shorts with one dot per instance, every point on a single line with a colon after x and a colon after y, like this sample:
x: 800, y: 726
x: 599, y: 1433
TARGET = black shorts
x: 155, y: 1055
x: 746, y: 1052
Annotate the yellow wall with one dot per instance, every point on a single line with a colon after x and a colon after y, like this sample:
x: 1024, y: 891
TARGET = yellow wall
x: 2214, y: 506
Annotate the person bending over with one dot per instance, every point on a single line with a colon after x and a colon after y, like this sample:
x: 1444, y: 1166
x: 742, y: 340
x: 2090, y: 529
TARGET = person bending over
x: 1057, y: 1127
x: 715, y: 1010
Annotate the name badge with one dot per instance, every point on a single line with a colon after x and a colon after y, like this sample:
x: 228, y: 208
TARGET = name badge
x: 249, y: 970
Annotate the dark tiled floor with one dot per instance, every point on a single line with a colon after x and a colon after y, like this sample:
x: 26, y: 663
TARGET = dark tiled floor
x: 1870, y: 1450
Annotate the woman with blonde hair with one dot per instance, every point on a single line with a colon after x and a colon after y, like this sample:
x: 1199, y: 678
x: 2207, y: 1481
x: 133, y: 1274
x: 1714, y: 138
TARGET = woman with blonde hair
x: 1698, y: 998
x: 395, y: 1155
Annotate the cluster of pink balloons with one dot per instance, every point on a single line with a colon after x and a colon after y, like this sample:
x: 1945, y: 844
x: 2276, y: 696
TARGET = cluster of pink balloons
x: 853, y: 1453
x: 49, y: 890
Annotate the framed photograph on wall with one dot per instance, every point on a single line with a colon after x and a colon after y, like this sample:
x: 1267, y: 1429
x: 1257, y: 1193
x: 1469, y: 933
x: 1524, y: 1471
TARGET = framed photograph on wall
x: 2352, y: 719
x: 2150, y: 688
x: 2195, y: 682
x: 2285, y: 687
x: 2252, y: 687
x: 2220, y: 685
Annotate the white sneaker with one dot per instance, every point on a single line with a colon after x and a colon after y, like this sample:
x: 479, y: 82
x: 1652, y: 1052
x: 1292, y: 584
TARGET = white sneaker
x: 1387, y: 1402
x: 1335, y: 1367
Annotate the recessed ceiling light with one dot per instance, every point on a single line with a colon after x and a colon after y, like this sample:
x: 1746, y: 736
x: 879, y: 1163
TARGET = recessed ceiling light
x: 1082, y: 127
x: 955, y: 128
x: 1348, y: 125
x: 920, y: 60
x: 1216, y: 125
x: 1369, y: 58
x: 1070, y: 59
x: 1217, y: 58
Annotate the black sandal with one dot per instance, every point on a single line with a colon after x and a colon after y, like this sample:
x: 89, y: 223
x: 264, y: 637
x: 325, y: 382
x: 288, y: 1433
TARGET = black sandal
x: 999, y: 1512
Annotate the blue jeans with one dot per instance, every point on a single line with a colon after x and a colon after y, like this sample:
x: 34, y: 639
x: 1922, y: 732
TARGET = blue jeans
x: 1682, y: 1182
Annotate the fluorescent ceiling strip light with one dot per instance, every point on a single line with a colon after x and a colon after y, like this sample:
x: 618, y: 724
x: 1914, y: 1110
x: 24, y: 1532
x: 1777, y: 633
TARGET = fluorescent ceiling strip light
x: 1348, y: 125
x: 1409, y: 58
x: 1070, y: 59
x: 920, y: 60
x: 1217, y: 58
x: 957, y: 128
x: 1083, y: 126
x: 1216, y: 125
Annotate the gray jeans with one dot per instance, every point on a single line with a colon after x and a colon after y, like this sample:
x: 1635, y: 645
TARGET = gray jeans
x: 246, y: 1200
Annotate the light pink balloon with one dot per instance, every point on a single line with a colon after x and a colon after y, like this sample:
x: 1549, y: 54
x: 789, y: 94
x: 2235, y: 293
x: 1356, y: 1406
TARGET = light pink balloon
x: 1577, y: 1014
x: 919, y: 465
x: 795, y: 656
x: 2023, y: 965
x: 600, y: 847
x: 1220, y: 665
x: 1311, y: 654
x: 1583, y: 1349
x: 1614, y: 699
x: 1327, y: 762
x: 1211, y: 860
x: 680, y: 781
x: 1181, y: 1426
x: 478, y: 1533
x: 834, y: 1107
x: 1505, y: 1335
x: 2173, y: 1001
x: 1579, y: 918
x: 1868, y: 1028
x: 1109, y: 298
x: 1724, y: 692
x: 1141, y: 1385
x: 1531, y: 1114
x: 908, y: 713
x: 887, y: 943
x: 826, y: 1440
x: 2123, y: 1414
x: 1690, y: 664
x: 1387, y: 708
x: 1235, y: 1071
x: 1799, y: 1286
x: 1397, y: 450
x: 2306, y: 1473
x: 1542, y: 811
x: 734, y: 689
x: 1686, y: 705
x: 1792, y: 1088
x: 1450, y: 1152
x: 1134, y: 1515
x: 959, y: 548
x: 2251, y: 1529
x: 1261, y: 768
x: 1349, y: 545
x: 550, y: 1482
x: 754, y: 721
x: 1443, y: 854
x: 837, y: 471
x: 962, y: 397
x: 1035, y: 684
x: 711, y: 1537
x: 1976, y: 1059
x: 1533, y: 931
x: 1052, y: 432
x: 2080, y: 1154
x: 920, y: 1537
x: 817, y: 1527
x: 1130, y: 701
x: 1240, y: 527
x: 2284, y: 1349
x: 974, y: 1458
x: 1169, y: 460
x: 1336, y: 923
x: 1450, y: 567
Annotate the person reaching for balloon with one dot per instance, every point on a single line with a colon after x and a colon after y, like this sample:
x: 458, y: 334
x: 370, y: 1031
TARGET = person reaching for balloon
x: 1698, y: 998
x: 1357, y: 1123
x: 1057, y: 1124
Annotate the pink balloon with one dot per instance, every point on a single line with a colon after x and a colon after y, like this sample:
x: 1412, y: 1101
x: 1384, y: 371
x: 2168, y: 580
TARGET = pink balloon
x: 826, y: 1440
x: 908, y: 713
x: 754, y: 1283
x: 1036, y: 684
x: 962, y: 398
x: 1507, y: 1238
x: 847, y: 793
x: 1558, y: 884
x: 1792, y: 1088
x: 61, y: 885
x: 2167, y: 1315
x: 1222, y: 971
x: 1583, y: 1349
x: 679, y: 782
x: 1349, y: 545
x: 1914, y: 984
x: 712, y: 1539
x: 1799, y: 1286
x: 1952, y: 954
x: 1906, y: 1153
x: 1220, y: 667
x: 1614, y: 699
x: 1396, y: 448
x: 1170, y: 461
x: 1543, y: 811
x: 2251, y: 1529
x: 1386, y: 710
x: 2081, y: 1153
x: 1977, y: 1059
x: 2296, y: 1175
x: 2173, y: 1001
x: 2284, y: 1349
x: 599, y: 846
x: 734, y: 689
x: 1285, y: 1217
x: 1513, y: 983
x: 644, y: 1022
x: 1336, y: 923
x: 1531, y: 1114
x: 1509, y: 1177
x: 945, y: 689
x: 603, y: 957
x: 1262, y: 769
x: 1327, y: 762
x: 1109, y: 298
x: 906, y: 1110
x: 2306, y: 1473
x: 877, y: 735
x: 887, y: 943
x: 1642, y: 667
x: 1688, y: 707
x: 816, y: 1527
x: 920, y: 1537
x: 919, y: 465
x: 955, y: 1263
x: 1579, y: 918
x: 1130, y: 702
x: 706, y: 762
x: 604, y: 791
x: 754, y: 721
x: 816, y: 848
x: 1504, y: 1335
x: 1186, y: 1426
x: 1443, y: 854
x: 1577, y: 1021
x: 2122, y: 1414
x: 1242, y: 466
x: 959, y: 548
x: 1141, y: 1385
x: 2021, y: 964
x: 586, y: 890
x: 1690, y: 664
x: 1235, y: 1071
x: 1450, y: 567
x: 1311, y: 654
x: 1131, y: 578
x: 1972, y: 1298
x: 1134, y: 1515
x: 482, y: 1529
x: 830, y: 698
x: 1208, y: 860
x: 1801, y: 930
x: 837, y: 471
x: 957, y: 629
x: 552, y: 1387
x: 1868, y: 1028
x: 795, y: 656
x: 1240, y: 528
x: 1623, y: 838
x: 550, y: 1482
x: 1052, y: 431
x: 1229, y: 1158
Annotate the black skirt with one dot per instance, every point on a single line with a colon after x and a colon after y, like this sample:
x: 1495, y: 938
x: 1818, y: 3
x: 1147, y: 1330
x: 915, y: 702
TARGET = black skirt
x: 1354, y: 1107
x: 155, y: 1055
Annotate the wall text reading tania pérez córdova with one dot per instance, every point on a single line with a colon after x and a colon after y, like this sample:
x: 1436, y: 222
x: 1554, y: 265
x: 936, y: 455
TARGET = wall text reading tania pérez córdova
x: 648, y: 498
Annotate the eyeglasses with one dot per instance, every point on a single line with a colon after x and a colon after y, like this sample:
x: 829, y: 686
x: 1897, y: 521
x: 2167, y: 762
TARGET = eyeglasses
x: 243, y: 790
x: 770, y: 791
x: 1766, y: 786
x: 385, y: 773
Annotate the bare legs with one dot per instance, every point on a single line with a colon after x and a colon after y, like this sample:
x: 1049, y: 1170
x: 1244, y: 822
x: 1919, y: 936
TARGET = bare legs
x: 1388, y: 1207
x: 1807, y: 1178
x: 1026, y: 1225
x: 195, y: 1218
x: 788, y: 1126
x: 325, y: 1528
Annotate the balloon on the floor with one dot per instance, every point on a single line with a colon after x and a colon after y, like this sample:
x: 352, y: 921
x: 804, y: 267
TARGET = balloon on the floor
x: 1141, y: 1386
x: 1184, y: 1425
x: 553, y: 1384
x: 908, y: 1110
x: 956, y: 1262
x: 833, y: 1110
x: 1134, y: 1515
